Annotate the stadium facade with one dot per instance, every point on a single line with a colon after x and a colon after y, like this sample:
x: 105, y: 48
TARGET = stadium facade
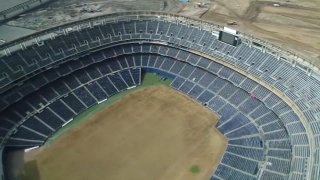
x: 268, y: 99
x: 19, y: 8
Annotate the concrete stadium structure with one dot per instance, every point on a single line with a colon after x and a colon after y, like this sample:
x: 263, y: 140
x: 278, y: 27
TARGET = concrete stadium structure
x: 16, y: 7
x: 268, y: 99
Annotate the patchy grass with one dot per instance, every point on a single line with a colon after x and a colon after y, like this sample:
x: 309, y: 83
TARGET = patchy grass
x: 195, y: 169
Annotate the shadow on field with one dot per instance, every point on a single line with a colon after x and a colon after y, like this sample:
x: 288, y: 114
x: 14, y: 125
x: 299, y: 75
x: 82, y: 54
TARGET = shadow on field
x: 30, y: 171
x: 13, y: 163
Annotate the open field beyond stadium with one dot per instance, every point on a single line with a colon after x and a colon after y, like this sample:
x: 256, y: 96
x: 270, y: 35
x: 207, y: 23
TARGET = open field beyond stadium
x: 154, y: 133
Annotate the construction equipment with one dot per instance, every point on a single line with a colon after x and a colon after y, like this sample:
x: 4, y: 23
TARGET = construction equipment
x: 232, y: 23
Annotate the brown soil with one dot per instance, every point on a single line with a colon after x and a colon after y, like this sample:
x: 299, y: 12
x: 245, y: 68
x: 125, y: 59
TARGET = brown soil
x: 154, y: 133
x: 294, y: 26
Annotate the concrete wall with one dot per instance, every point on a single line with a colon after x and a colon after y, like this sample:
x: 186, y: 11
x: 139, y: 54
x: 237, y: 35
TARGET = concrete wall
x: 14, y: 9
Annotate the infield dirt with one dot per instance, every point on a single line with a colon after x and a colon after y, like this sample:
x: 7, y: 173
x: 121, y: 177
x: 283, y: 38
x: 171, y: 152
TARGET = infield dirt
x: 154, y: 133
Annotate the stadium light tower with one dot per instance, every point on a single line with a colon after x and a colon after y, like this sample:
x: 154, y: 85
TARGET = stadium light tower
x: 263, y: 167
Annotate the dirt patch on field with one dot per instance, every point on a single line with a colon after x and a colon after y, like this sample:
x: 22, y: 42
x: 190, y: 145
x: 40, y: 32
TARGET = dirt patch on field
x: 155, y: 133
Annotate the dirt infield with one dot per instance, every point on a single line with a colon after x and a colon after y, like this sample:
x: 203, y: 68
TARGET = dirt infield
x: 154, y: 133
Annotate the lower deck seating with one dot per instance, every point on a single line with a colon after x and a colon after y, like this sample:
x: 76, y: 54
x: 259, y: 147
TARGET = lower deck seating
x: 61, y: 109
x: 73, y: 103
x: 84, y: 96
x: 226, y: 172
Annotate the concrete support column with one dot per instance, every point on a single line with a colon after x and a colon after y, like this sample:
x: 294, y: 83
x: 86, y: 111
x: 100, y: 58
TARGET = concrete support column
x: 22, y: 46
x: 65, y: 32
x: 250, y: 44
x: 8, y: 53
x: 310, y: 72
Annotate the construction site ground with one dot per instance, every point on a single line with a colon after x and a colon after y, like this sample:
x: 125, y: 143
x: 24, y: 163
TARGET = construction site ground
x: 291, y: 24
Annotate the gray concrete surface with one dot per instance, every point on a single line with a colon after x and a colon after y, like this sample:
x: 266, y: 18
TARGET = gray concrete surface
x: 6, y: 4
x: 9, y: 33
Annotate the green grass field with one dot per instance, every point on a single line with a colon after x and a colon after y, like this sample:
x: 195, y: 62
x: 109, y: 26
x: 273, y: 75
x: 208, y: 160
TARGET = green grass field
x: 147, y: 80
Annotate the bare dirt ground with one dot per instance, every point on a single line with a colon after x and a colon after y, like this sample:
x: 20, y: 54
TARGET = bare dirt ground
x: 155, y: 133
x: 61, y: 11
x: 293, y: 25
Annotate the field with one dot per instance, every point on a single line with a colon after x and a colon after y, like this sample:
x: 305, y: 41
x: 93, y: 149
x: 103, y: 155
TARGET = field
x: 148, y: 80
x: 151, y: 133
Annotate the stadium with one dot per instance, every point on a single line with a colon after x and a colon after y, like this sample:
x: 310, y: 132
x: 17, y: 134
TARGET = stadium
x: 267, y: 99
